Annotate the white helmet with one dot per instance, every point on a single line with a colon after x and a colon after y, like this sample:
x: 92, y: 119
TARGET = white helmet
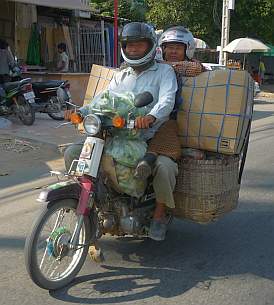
x: 136, y: 31
x: 179, y: 34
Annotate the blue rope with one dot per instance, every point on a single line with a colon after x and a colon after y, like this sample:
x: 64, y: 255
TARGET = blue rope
x: 190, y: 104
x: 202, y: 112
x: 226, y: 104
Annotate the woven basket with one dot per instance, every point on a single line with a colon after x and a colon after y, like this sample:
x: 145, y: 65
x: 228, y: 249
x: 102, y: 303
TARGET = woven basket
x: 206, y: 189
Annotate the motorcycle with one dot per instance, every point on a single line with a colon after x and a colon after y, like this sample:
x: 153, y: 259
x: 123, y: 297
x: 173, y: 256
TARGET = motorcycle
x: 17, y: 98
x: 84, y: 205
x: 51, y: 97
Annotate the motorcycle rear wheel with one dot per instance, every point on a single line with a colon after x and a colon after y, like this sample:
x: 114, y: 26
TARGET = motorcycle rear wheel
x: 50, y: 264
x: 24, y: 111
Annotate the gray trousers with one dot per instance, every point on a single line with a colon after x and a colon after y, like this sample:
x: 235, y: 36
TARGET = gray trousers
x: 164, y: 174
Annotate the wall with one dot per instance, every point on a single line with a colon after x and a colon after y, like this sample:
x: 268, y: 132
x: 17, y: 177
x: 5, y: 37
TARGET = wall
x: 7, y: 22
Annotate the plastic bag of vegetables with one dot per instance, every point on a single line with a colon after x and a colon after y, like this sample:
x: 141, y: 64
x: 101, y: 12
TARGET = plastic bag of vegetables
x: 114, y: 103
x: 125, y: 151
x: 127, y: 182
x: 126, y: 147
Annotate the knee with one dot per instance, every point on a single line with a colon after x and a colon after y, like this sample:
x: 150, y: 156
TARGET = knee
x: 165, y: 168
x: 68, y: 152
x: 72, y: 152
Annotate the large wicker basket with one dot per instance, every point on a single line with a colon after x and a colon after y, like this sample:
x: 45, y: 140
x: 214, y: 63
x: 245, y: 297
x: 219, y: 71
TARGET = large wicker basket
x: 206, y: 189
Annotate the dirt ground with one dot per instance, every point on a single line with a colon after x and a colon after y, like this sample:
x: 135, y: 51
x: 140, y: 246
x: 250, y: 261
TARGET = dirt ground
x: 24, y: 160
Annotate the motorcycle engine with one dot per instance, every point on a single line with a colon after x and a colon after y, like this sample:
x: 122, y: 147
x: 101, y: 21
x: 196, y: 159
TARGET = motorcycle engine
x: 131, y: 225
x: 116, y: 211
x: 55, y: 105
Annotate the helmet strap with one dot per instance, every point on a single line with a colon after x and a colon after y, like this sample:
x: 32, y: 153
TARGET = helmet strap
x: 144, y: 67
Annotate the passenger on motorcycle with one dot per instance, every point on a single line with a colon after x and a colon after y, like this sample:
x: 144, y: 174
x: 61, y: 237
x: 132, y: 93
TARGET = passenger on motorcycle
x: 178, y: 48
x: 138, y: 47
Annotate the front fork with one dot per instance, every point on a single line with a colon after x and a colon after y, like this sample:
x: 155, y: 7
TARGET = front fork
x: 88, y: 166
x: 83, y: 209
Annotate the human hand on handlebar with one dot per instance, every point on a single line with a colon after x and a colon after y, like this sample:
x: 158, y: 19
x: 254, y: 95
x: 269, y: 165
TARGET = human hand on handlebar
x: 144, y: 122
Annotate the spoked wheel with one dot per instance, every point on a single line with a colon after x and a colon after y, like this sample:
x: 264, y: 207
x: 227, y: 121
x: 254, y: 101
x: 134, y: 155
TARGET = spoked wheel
x: 24, y: 111
x: 59, y: 115
x: 50, y: 260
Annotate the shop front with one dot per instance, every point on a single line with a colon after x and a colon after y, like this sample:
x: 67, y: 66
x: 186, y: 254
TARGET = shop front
x: 40, y: 25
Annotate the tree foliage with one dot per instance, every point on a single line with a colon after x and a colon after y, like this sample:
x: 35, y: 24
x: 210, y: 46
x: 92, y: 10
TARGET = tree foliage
x: 196, y: 15
x: 133, y: 10
x: 253, y: 18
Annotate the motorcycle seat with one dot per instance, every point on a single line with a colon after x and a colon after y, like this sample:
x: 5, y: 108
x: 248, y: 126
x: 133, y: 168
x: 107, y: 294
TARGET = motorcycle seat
x: 47, y: 84
x: 13, y: 85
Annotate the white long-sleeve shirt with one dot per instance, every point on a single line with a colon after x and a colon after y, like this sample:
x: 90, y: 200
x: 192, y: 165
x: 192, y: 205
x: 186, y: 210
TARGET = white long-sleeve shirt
x: 159, y: 80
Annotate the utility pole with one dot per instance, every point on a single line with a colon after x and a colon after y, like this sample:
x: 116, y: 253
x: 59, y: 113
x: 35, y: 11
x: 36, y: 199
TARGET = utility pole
x: 227, y: 6
x: 115, y: 53
x: 225, y: 32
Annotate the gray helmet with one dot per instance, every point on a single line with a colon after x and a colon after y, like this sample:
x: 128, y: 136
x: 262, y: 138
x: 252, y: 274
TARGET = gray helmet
x: 179, y: 34
x: 136, y: 31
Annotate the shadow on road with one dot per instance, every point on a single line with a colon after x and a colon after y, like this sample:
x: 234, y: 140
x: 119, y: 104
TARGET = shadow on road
x: 257, y: 115
x: 11, y: 242
x: 193, y: 256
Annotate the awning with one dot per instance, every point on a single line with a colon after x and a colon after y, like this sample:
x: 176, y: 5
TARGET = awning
x: 270, y: 52
x: 64, y: 4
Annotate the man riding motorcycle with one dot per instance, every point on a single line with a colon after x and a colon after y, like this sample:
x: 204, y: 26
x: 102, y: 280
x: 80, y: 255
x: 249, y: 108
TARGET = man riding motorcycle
x: 138, y: 47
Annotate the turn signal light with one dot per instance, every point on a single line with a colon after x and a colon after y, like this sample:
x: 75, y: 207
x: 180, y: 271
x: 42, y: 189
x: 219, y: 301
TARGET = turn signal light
x: 118, y: 122
x: 76, y: 118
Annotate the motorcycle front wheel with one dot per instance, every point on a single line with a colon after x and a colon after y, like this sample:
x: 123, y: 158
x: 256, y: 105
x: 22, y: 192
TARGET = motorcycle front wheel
x: 50, y: 262
x: 24, y: 111
x: 60, y: 115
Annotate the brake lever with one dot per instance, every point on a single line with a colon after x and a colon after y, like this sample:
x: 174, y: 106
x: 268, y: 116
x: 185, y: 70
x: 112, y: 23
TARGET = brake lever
x: 73, y: 105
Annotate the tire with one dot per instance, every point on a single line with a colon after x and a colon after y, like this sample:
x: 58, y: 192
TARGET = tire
x: 24, y: 111
x: 58, y: 116
x: 36, y: 269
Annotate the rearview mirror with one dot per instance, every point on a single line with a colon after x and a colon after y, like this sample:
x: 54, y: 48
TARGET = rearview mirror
x: 143, y: 99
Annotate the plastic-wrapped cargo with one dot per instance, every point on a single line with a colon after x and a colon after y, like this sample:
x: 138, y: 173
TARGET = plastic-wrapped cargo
x: 126, y: 147
x: 216, y: 110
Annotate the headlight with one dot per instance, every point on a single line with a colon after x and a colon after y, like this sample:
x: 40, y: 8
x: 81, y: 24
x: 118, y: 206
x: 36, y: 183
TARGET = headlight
x: 92, y: 124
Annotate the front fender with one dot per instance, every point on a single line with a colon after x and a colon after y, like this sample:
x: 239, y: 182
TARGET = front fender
x: 60, y: 190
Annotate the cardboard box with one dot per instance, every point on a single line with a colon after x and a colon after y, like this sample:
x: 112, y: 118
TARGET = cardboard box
x: 216, y: 110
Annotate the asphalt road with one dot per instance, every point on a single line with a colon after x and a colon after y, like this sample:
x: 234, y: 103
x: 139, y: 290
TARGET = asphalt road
x: 229, y: 262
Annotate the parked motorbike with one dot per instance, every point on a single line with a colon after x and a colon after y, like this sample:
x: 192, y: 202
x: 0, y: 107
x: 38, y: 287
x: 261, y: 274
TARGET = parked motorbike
x: 83, y: 206
x: 17, y: 98
x: 51, y: 97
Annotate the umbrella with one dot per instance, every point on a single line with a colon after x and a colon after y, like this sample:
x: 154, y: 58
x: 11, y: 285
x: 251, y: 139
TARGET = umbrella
x: 245, y: 46
x: 270, y: 52
x: 200, y: 44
